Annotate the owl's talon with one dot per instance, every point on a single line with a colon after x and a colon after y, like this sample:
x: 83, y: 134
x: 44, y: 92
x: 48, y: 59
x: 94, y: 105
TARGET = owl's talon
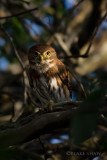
x: 49, y: 106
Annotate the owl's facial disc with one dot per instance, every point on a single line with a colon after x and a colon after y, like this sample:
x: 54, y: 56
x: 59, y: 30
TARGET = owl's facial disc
x: 42, y: 57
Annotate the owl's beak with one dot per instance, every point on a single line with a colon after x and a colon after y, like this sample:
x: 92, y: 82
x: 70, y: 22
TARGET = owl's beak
x: 41, y: 58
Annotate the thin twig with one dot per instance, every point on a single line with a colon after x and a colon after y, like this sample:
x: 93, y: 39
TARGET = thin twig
x: 94, y: 34
x: 12, y: 43
x: 68, y: 13
x: 25, y: 87
x: 85, y: 55
x: 59, y: 38
x: 79, y: 83
x: 19, y: 14
x: 71, y: 10
x: 40, y: 22
x: 55, y: 36
x: 72, y: 56
x: 19, y: 59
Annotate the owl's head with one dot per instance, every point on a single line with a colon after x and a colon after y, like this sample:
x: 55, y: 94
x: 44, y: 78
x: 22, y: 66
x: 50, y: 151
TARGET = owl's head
x: 41, y: 56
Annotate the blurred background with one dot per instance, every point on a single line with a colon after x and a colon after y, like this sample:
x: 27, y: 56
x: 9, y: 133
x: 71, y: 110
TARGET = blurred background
x: 77, y: 29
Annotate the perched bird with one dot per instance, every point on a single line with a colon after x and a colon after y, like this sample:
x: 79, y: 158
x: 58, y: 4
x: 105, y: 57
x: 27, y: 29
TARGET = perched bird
x: 48, y: 76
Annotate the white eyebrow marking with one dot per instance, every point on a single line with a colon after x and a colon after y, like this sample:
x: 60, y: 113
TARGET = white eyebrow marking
x: 36, y: 52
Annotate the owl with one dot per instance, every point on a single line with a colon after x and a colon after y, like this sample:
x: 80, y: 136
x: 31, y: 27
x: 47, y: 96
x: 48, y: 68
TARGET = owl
x: 48, y: 77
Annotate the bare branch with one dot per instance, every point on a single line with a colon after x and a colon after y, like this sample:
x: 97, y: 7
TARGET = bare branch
x: 12, y: 43
x: 37, y: 124
x: 19, y: 14
x: 62, y: 43
x: 71, y: 103
x: 57, y: 36
x: 93, y: 62
x: 85, y: 55
x: 39, y: 22
x: 71, y: 10
x: 79, y: 83
x: 20, y: 61
x: 94, y: 34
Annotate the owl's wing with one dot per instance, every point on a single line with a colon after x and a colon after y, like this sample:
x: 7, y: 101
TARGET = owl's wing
x: 38, y: 87
x: 31, y: 87
x: 64, y: 76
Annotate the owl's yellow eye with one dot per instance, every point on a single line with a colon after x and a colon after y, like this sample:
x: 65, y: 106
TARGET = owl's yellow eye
x: 48, y: 53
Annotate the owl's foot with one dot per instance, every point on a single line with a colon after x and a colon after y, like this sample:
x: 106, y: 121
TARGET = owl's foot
x: 49, y: 106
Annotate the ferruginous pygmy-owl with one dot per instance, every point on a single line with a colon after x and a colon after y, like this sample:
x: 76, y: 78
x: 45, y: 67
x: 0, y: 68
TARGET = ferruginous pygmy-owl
x: 47, y: 75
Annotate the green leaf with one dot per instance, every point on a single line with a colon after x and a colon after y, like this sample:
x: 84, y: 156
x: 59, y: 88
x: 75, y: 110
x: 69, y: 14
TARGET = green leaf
x: 82, y: 126
x: 16, y: 30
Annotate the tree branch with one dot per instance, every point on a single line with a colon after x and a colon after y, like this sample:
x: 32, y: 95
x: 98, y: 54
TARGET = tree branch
x: 94, y: 34
x: 71, y: 10
x: 19, y: 59
x: 12, y: 43
x: 85, y: 55
x: 38, y: 124
x: 19, y: 14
